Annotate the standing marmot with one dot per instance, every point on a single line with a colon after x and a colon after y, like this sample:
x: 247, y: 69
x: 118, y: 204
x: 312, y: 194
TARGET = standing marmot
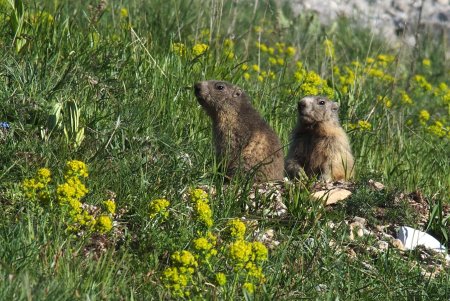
x: 319, y: 144
x: 241, y: 137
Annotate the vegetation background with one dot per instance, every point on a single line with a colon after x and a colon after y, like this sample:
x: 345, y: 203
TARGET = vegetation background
x: 102, y: 144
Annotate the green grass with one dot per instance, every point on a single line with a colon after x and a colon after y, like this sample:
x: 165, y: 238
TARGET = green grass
x: 144, y: 137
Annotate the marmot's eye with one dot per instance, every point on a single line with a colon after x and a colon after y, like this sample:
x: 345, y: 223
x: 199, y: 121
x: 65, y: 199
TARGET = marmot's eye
x: 220, y: 87
x: 322, y: 102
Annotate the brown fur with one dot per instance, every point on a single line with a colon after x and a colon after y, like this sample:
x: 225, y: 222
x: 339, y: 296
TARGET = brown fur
x: 319, y: 147
x: 243, y: 140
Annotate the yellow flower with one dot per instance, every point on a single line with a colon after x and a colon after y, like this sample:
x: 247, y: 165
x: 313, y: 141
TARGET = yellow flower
x: 255, y: 68
x: 205, y: 247
x: 179, y: 49
x: 255, y: 271
x: 246, y: 76
x: 185, y: 260
x: 249, y: 287
x: 258, y: 29
x: 290, y: 51
x: 260, y: 78
x: 176, y: 282
x: 364, y: 125
x: 370, y: 60
x: 271, y: 50
x: 261, y: 46
x: 203, y: 212
x: 240, y: 251
x: 104, y: 224
x: 76, y: 168
x: 405, y: 99
x: 228, y: 43
x: 385, y: 100
x: 244, y: 67
x: 385, y: 58
x: 438, y: 129
x: 424, y: 116
x: 124, y: 12
x: 110, y: 206
x: 199, y: 49
x: 260, y: 252
x: 198, y: 194
x: 44, y: 175
x: 272, y: 60
x: 159, y: 207
x: 422, y: 82
x: 221, y: 279
x: 280, y: 61
x: 426, y: 62
x: 236, y: 229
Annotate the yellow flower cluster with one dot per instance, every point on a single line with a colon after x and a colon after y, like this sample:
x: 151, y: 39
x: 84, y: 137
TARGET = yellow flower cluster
x: 76, y: 168
x: 236, y: 229
x: 424, y: 116
x: 405, y: 98
x: 37, y: 187
x: 179, y: 49
x: 199, y: 49
x: 247, y: 257
x: 178, y: 277
x: 202, y: 209
x: 110, y: 206
x: 205, y: 246
x: 443, y: 91
x: 311, y: 83
x: 385, y: 100
x: 422, y: 82
x: 69, y: 195
x: 228, y: 46
x: 103, y: 224
x: 159, y: 207
x: 221, y: 279
x: 361, y: 125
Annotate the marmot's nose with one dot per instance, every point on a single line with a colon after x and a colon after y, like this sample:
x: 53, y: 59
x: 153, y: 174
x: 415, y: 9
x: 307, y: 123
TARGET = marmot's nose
x: 301, y: 105
x: 197, y: 88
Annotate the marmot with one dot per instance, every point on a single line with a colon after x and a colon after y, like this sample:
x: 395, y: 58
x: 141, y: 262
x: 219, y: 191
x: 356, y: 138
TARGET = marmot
x: 320, y: 146
x: 243, y: 140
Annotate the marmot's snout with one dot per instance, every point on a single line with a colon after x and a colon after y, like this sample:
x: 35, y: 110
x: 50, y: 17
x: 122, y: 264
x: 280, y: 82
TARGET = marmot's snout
x: 197, y: 88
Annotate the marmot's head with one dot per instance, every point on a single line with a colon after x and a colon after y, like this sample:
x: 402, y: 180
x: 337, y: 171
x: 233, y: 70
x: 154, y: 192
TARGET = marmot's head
x: 315, y: 109
x: 215, y: 96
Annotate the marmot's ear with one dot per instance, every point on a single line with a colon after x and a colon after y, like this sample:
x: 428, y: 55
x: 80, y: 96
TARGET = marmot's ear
x: 237, y: 93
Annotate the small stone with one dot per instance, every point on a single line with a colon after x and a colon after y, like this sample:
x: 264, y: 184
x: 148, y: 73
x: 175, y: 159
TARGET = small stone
x: 332, y: 196
x: 397, y: 243
x: 382, y: 245
x: 360, y: 220
x: 376, y: 185
x: 351, y: 253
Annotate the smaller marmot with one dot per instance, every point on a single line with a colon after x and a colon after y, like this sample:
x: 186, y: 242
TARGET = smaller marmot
x: 319, y: 146
x: 243, y: 140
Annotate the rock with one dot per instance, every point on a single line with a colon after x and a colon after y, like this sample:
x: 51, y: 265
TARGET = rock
x: 332, y: 196
x: 267, y: 238
x: 360, y: 220
x: 382, y: 245
x: 376, y: 185
x: 396, y: 20
x: 397, y: 243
